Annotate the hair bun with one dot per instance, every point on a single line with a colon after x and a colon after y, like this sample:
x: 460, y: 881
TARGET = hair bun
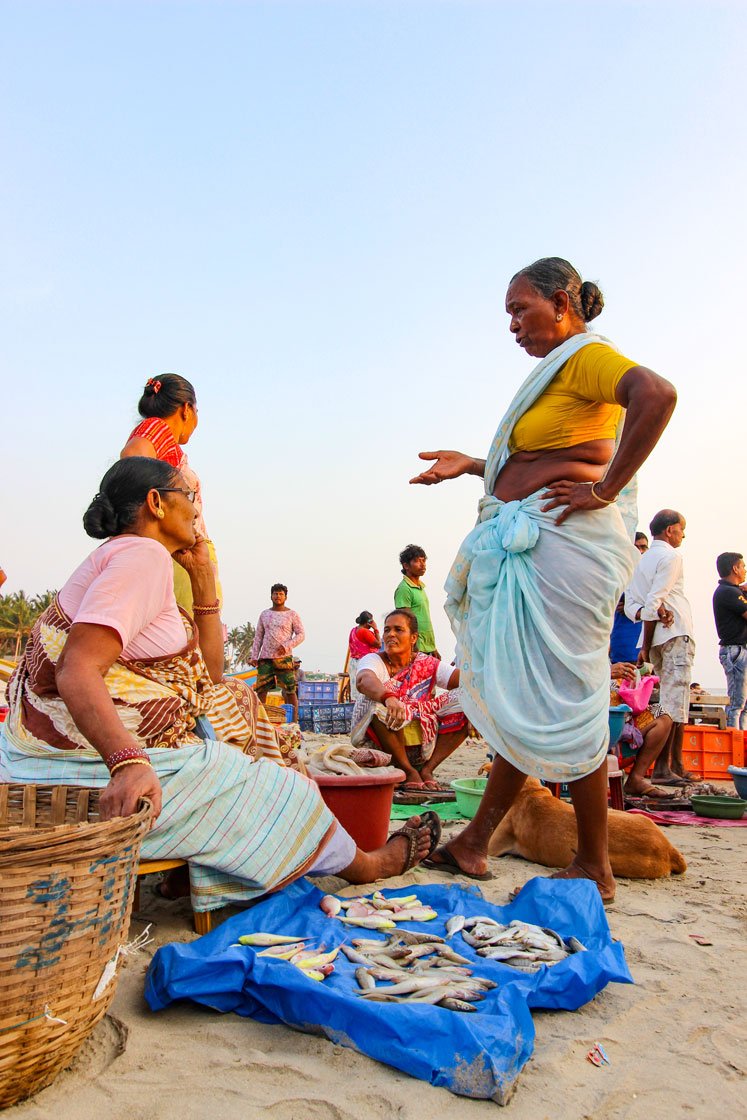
x: 100, y: 519
x: 592, y: 300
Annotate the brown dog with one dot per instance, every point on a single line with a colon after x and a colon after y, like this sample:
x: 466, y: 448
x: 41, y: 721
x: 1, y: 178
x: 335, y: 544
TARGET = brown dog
x: 541, y: 828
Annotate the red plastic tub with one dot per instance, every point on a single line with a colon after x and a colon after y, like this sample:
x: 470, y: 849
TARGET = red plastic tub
x: 362, y: 804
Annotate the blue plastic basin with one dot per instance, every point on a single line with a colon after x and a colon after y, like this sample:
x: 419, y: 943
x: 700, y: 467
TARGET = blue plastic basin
x: 617, y: 722
x: 739, y: 777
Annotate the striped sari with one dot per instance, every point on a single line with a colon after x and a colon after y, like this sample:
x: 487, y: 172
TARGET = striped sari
x: 246, y: 824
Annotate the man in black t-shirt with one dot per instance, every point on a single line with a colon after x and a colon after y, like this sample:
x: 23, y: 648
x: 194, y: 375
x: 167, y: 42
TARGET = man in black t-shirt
x: 730, y: 613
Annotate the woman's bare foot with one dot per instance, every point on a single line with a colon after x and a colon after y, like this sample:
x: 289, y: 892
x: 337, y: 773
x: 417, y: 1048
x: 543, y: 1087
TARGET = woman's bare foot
x: 603, y: 878
x: 473, y: 860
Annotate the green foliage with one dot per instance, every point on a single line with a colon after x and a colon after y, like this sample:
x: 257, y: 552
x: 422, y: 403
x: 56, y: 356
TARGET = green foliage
x: 18, y: 613
x: 239, y: 647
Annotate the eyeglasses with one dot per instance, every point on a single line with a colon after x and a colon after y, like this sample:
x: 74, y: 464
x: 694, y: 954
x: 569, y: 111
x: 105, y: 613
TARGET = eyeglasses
x: 191, y: 494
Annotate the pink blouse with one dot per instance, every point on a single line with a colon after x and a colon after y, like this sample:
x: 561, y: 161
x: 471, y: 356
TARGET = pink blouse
x: 127, y: 584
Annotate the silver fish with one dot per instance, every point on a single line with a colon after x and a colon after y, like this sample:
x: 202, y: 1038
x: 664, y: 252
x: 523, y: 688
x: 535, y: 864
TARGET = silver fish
x: 454, y: 925
x: 353, y: 955
x: 575, y: 945
x: 505, y: 953
x: 450, y: 1003
x: 414, y: 951
x: 365, y: 980
x: 448, y: 954
x: 447, y: 968
x: 407, y: 937
x: 388, y: 973
x: 470, y: 922
x: 525, y: 927
x: 411, y: 984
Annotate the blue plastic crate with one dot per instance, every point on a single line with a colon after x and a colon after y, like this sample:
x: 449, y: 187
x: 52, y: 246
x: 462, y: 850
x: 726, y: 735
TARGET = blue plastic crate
x: 333, y: 719
x: 318, y: 690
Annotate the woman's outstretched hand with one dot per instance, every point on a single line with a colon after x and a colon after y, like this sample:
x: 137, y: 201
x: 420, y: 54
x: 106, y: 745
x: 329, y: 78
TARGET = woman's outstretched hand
x: 448, y: 464
x: 126, y: 788
x: 573, y: 495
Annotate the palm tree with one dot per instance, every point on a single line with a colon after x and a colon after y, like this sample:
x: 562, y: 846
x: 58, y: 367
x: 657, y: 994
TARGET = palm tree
x: 18, y: 613
x: 239, y: 645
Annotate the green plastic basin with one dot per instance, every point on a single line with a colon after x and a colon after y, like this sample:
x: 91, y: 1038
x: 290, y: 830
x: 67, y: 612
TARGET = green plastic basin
x: 469, y: 793
x: 727, y: 808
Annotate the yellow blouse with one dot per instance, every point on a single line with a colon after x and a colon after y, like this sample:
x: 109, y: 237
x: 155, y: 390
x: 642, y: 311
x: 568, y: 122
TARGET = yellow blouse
x: 578, y: 405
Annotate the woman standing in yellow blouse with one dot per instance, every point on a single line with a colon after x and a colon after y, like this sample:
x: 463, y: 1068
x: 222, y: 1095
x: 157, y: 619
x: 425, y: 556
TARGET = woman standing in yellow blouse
x: 533, y: 589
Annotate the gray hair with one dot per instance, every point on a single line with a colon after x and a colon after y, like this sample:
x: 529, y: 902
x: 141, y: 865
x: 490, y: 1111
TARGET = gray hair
x: 554, y: 274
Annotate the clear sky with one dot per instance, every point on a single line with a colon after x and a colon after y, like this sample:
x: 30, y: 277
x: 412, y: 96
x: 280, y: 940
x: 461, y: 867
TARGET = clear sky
x: 311, y: 210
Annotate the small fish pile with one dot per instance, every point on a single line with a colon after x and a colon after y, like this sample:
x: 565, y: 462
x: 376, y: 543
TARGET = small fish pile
x: 313, y: 962
x: 417, y: 968
x: 377, y: 912
x: 520, y: 945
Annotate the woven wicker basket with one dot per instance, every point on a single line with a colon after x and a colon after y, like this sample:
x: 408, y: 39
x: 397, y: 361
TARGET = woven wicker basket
x: 66, y: 886
x: 276, y: 714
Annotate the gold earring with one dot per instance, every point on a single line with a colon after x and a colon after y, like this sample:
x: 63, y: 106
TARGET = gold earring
x: 558, y: 317
x: 159, y: 513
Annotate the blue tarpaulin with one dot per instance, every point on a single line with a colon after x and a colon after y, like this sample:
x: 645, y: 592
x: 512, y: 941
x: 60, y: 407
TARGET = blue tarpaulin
x: 475, y: 1055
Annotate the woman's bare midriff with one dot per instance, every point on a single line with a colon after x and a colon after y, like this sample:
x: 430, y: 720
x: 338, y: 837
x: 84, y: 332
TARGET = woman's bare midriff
x: 528, y: 471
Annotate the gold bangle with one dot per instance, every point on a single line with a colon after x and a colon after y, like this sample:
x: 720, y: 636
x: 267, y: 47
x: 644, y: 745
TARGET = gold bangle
x: 599, y: 498
x: 130, y: 762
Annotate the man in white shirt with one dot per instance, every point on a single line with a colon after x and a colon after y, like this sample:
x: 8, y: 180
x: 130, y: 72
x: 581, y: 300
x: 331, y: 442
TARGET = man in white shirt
x: 656, y: 596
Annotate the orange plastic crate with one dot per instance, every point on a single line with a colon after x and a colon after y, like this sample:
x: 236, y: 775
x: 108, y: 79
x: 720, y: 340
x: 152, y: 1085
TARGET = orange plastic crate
x: 708, y: 751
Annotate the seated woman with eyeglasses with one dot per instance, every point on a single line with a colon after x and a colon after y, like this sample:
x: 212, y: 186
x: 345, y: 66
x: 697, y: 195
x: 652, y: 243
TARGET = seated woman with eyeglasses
x: 110, y: 690
x: 168, y: 406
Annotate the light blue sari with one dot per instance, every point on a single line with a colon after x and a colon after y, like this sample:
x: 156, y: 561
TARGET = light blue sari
x: 531, y: 604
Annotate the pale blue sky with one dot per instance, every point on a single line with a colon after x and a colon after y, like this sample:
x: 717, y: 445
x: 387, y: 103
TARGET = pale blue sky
x: 311, y: 210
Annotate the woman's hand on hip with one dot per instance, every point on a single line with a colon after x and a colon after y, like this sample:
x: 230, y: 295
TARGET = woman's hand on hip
x: 448, y: 464
x: 126, y: 788
x: 573, y: 495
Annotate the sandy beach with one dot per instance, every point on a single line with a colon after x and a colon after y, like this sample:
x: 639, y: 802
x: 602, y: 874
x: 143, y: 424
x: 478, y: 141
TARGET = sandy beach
x: 677, y: 1038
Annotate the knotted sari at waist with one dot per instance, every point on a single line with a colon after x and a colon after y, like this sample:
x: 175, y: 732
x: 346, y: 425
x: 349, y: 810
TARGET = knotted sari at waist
x: 531, y: 605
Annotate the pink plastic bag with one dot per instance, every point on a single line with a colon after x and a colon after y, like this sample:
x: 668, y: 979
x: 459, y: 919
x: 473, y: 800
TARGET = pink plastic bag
x: 637, y: 698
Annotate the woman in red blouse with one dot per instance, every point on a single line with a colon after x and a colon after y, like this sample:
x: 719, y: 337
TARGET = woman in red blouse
x: 363, y: 639
x: 169, y: 410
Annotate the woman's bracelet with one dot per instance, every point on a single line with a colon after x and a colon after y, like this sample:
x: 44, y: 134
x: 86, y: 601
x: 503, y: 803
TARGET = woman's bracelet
x: 130, y: 762
x: 599, y: 498
x: 206, y: 608
x: 124, y: 755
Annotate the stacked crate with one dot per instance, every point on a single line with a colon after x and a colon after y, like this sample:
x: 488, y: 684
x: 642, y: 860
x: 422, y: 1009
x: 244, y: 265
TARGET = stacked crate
x: 319, y: 711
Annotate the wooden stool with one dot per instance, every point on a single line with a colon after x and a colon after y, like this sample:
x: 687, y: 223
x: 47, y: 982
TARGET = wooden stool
x: 203, y: 919
x: 615, y: 780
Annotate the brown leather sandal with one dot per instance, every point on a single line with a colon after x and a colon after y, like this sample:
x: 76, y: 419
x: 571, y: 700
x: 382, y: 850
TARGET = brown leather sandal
x: 410, y: 832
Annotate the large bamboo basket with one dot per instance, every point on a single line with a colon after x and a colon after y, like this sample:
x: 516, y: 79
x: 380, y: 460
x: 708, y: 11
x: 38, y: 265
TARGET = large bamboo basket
x: 66, y: 886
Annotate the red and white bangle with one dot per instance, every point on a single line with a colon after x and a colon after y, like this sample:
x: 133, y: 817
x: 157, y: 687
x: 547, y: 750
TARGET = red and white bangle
x: 126, y: 754
x: 206, y: 608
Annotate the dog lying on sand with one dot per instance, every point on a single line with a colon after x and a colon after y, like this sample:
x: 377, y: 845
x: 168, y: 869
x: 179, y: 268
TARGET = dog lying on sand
x: 541, y: 828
